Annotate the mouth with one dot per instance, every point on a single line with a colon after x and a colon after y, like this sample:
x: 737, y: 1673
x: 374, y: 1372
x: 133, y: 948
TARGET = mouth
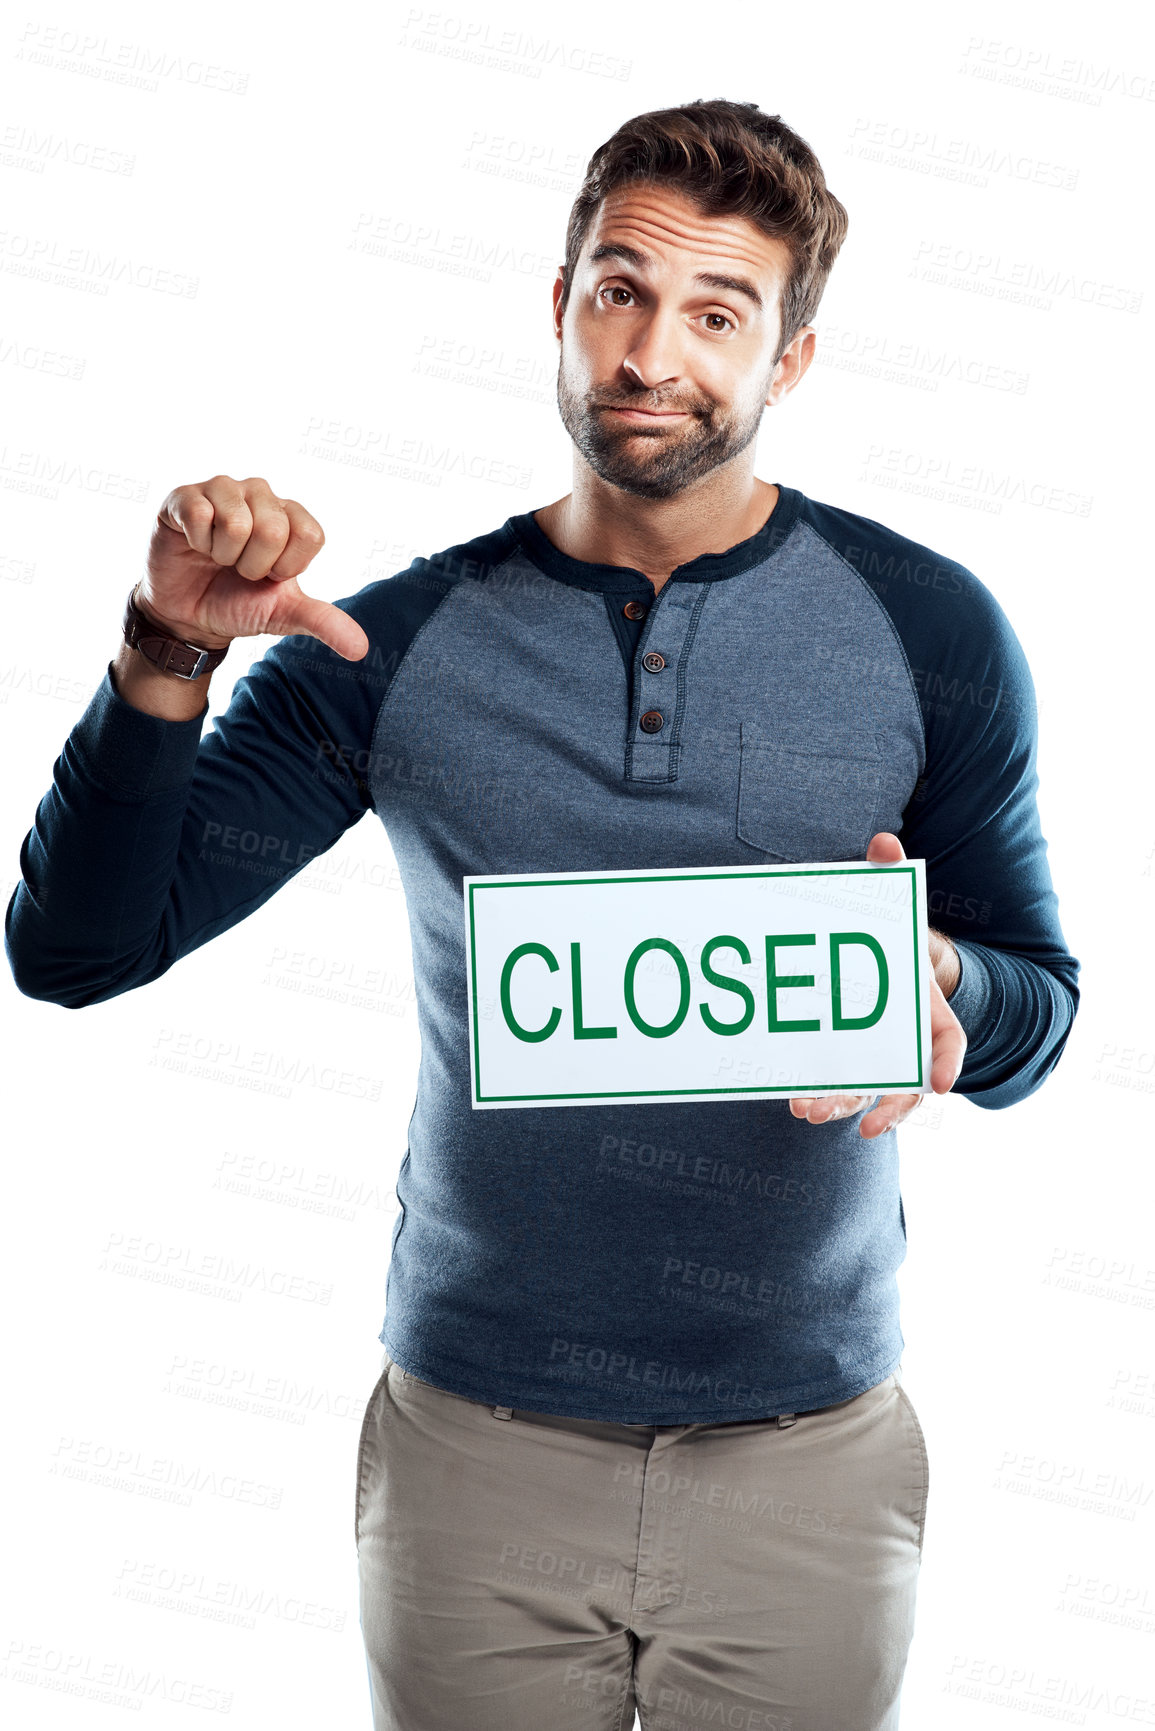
x: 649, y: 417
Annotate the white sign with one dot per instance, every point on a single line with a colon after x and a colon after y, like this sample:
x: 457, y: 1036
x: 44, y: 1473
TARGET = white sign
x: 716, y: 983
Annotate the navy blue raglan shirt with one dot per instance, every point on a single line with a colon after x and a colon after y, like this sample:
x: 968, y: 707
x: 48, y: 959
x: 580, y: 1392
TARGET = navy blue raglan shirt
x: 827, y: 678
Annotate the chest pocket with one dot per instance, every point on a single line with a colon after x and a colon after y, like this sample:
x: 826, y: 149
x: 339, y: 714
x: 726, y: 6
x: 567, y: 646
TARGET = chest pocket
x: 807, y: 796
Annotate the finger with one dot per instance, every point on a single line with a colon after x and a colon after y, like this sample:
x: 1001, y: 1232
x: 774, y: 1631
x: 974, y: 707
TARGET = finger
x: 307, y: 616
x: 305, y: 540
x: 948, y: 1042
x: 232, y: 519
x: 891, y: 1110
x: 825, y: 1110
x: 270, y: 532
x: 189, y: 511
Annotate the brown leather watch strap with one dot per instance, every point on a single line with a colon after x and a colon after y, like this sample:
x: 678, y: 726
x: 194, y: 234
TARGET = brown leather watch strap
x: 169, y: 654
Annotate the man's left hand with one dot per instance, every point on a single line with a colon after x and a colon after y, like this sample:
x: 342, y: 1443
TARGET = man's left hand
x: 948, y: 1042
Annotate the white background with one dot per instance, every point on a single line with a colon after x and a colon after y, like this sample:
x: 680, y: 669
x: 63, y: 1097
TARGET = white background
x: 302, y: 356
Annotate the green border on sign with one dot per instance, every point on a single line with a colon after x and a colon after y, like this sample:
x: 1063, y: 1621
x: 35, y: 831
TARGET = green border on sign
x: 681, y: 877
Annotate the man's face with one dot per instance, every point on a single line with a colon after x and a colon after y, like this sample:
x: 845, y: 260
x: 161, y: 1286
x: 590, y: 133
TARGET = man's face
x: 642, y: 333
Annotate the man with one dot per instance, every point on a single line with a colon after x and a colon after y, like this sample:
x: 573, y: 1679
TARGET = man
x: 640, y: 1439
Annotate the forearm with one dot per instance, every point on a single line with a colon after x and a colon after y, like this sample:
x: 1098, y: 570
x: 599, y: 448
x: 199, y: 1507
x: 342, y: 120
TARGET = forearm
x: 944, y: 960
x: 98, y: 863
x: 164, y: 695
x: 151, y: 840
x: 1016, y: 1013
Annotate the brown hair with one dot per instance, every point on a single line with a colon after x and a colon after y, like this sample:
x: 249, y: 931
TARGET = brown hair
x: 733, y: 160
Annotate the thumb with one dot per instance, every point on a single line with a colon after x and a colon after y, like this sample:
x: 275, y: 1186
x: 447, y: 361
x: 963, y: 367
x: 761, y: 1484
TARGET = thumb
x: 308, y: 617
x: 885, y: 849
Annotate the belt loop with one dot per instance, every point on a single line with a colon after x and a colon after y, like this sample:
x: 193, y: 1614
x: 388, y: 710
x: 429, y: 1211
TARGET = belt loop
x: 786, y: 1418
x: 503, y: 1412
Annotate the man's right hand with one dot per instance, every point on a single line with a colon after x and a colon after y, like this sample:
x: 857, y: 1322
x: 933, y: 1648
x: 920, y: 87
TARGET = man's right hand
x: 223, y: 562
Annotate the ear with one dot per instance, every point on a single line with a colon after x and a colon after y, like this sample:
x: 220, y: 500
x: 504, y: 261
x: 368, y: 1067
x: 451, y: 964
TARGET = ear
x: 558, y: 287
x: 792, y: 363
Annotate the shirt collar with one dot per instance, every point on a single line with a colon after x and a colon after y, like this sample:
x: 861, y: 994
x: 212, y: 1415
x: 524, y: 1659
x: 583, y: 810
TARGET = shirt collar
x: 584, y: 574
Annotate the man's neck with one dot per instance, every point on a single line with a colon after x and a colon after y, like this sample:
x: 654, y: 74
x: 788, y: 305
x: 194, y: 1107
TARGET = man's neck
x: 616, y: 528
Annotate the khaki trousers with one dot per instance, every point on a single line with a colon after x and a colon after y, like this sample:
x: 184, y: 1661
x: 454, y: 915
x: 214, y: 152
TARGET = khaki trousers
x: 524, y: 1572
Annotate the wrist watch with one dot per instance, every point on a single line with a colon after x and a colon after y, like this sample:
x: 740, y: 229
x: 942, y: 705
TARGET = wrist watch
x: 169, y: 654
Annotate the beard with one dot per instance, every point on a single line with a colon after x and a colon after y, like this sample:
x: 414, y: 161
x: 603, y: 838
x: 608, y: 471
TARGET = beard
x: 655, y: 463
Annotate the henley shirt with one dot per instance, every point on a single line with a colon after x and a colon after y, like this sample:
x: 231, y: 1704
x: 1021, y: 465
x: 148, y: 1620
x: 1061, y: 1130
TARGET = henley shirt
x: 668, y: 1262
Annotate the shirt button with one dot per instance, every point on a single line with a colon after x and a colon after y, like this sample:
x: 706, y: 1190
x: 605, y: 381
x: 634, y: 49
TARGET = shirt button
x: 651, y: 721
x: 635, y: 610
x: 653, y: 662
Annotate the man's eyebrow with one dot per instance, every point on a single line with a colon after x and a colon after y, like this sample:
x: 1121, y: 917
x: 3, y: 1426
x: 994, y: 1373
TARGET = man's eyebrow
x: 633, y: 255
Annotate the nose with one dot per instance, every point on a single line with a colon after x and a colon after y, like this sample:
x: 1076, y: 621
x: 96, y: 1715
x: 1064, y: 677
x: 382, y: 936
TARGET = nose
x: 655, y: 357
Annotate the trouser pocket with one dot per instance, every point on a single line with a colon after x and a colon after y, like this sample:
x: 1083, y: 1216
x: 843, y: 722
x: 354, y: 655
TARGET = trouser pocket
x: 362, y: 1447
x: 922, y: 1490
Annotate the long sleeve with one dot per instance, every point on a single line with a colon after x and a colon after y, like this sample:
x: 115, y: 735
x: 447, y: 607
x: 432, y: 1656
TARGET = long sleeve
x: 975, y: 820
x: 152, y: 840
x: 974, y: 815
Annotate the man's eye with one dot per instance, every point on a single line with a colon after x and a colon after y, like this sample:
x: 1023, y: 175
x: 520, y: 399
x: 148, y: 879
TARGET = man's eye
x: 618, y: 288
